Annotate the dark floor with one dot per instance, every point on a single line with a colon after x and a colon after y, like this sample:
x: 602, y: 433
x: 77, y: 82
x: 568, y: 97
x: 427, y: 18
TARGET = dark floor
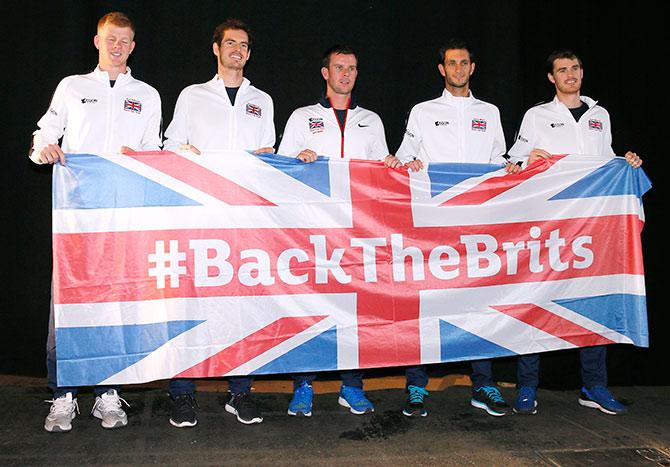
x: 561, y: 434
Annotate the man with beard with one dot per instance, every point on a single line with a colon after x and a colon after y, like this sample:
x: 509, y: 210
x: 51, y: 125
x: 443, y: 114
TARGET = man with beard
x: 225, y: 113
x: 455, y: 127
x: 336, y: 126
x: 569, y: 124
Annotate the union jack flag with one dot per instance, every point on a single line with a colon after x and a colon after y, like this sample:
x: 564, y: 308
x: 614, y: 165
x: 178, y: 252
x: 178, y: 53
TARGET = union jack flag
x: 479, y: 124
x: 253, y: 109
x: 595, y: 125
x: 174, y: 265
x: 132, y: 105
x: 316, y: 125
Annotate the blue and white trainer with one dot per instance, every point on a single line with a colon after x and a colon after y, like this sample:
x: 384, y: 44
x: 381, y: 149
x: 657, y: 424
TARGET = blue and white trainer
x: 599, y: 397
x: 301, y: 404
x: 526, y: 401
x: 354, y: 399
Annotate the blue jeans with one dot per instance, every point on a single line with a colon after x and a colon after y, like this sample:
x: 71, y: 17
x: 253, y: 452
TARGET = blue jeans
x: 593, y: 367
x: 416, y: 376
x: 181, y: 386
x: 482, y: 375
x: 351, y: 378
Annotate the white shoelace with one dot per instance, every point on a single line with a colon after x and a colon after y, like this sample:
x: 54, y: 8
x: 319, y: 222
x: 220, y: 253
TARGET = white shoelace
x: 62, y: 406
x: 108, y: 403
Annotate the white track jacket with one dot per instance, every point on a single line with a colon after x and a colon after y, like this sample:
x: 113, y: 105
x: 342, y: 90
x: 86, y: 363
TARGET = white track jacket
x: 552, y: 127
x: 453, y: 129
x: 205, y: 118
x: 316, y: 127
x: 93, y: 117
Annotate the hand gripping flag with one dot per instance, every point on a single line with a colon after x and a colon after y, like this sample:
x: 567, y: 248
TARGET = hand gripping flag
x: 175, y: 265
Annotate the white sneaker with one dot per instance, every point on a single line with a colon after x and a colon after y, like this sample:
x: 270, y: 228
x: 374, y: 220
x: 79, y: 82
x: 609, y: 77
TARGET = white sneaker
x: 63, y: 410
x: 108, y: 409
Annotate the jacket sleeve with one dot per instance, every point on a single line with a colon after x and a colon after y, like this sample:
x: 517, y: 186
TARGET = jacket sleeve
x: 379, y: 149
x: 292, y: 141
x: 525, y: 139
x: 151, y: 140
x: 269, y: 137
x: 607, y: 147
x: 410, y: 148
x: 499, y: 146
x: 176, y: 133
x: 51, y: 126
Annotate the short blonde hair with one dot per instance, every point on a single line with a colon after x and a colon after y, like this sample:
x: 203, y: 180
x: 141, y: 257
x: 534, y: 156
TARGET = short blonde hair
x: 117, y: 19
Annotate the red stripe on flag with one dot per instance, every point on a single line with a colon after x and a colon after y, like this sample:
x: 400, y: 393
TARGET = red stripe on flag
x: 201, y: 178
x: 553, y: 324
x: 250, y: 347
x: 495, y: 186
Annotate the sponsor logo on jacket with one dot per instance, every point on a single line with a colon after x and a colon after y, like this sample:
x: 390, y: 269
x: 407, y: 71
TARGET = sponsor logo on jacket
x: 132, y: 105
x: 88, y: 101
x: 255, y: 110
x: 478, y: 124
x: 444, y: 123
x: 557, y: 124
x: 316, y: 124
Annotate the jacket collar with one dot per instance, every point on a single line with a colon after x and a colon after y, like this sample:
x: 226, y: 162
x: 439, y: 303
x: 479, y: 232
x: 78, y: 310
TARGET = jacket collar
x: 585, y: 99
x: 103, y: 76
x: 450, y: 98
x: 220, y: 85
x: 325, y: 102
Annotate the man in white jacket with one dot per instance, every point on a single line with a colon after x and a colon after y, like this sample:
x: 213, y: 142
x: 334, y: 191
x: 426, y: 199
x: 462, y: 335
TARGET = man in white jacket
x: 227, y: 112
x: 455, y: 127
x: 105, y: 111
x: 569, y: 124
x: 223, y: 114
x: 336, y: 127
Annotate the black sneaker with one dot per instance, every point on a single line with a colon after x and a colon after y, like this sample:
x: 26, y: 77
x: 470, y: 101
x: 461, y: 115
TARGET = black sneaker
x: 183, y: 412
x: 489, y: 398
x: 245, y: 409
x: 414, y: 406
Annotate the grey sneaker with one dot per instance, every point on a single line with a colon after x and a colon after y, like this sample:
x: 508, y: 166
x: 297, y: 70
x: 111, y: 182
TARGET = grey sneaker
x: 62, y: 412
x: 108, y: 409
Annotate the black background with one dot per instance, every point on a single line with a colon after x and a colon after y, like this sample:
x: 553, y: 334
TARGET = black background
x: 397, y: 46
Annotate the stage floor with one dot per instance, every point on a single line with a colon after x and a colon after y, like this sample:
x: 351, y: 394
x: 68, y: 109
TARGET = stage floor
x: 561, y: 434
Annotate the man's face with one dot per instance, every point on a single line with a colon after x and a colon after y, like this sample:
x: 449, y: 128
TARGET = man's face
x: 341, y: 73
x: 456, y: 68
x: 567, y: 75
x: 114, y: 44
x: 233, y: 52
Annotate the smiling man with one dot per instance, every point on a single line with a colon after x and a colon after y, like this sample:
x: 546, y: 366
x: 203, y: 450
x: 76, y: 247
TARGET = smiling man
x: 227, y: 112
x: 105, y: 111
x: 570, y: 124
x: 455, y: 127
x: 223, y: 114
x: 337, y: 127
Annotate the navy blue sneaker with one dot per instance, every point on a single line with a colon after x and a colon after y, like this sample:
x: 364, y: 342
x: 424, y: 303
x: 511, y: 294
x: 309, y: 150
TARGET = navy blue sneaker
x: 354, y: 399
x: 301, y: 404
x: 244, y: 407
x: 599, y: 397
x: 526, y: 401
x: 489, y: 398
x: 414, y: 406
